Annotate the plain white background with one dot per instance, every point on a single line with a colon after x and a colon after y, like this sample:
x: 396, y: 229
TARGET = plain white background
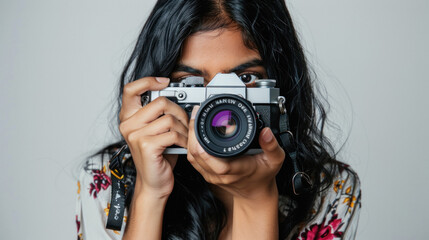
x: 59, y: 66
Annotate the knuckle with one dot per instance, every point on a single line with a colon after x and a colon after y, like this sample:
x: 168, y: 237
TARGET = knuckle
x: 220, y: 181
x: 170, y: 119
x: 123, y: 129
x: 143, y: 143
x: 280, y: 156
x: 273, y: 146
x: 204, y: 155
x: 175, y: 135
x: 162, y: 102
x: 210, y: 179
x: 132, y: 137
x: 127, y: 89
x: 276, y: 163
x: 190, y: 157
x: 192, y: 150
x: 222, y: 169
x: 227, y: 180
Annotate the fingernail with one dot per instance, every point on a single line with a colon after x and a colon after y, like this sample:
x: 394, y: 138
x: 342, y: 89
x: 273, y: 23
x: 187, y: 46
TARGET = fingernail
x: 267, y: 136
x: 162, y: 79
x: 194, y: 112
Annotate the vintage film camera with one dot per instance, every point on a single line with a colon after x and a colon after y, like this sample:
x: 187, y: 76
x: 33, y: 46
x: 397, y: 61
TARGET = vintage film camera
x: 231, y: 115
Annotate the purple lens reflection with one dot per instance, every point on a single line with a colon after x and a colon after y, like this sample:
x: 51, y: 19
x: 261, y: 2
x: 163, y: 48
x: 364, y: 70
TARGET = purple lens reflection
x: 224, y: 124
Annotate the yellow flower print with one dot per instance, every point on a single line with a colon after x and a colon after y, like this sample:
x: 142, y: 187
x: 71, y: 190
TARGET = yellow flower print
x: 106, y: 210
x: 338, y: 185
x: 78, y: 187
x: 348, y: 190
x: 350, y: 201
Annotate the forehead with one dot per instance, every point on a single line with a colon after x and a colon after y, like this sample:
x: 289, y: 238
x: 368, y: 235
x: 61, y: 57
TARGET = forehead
x: 222, y: 47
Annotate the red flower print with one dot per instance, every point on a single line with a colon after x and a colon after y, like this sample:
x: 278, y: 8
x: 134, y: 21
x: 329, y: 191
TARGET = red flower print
x: 322, y: 232
x: 101, y: 181
x: 77, y: 224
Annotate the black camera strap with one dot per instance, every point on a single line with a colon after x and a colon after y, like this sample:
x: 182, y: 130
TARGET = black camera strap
x: 301, y: 182
x: 117, y: 201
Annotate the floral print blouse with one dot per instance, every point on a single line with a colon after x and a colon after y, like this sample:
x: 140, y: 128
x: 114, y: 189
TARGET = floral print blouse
x: 335, y: 213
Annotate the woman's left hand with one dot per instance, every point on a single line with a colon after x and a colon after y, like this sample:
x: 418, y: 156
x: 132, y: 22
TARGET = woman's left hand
x: 248, y: 176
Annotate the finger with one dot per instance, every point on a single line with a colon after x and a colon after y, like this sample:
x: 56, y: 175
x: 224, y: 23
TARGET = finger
x: 171, y: 138
x: 274, y: 154
x: 158, y: 142
x: 131, y: 97
x: 160, y: 106
x: 163, y: 124
x: 166, y: 123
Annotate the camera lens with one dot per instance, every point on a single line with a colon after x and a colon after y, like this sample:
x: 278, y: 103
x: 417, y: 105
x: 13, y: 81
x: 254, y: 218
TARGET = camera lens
x: 225, y: 125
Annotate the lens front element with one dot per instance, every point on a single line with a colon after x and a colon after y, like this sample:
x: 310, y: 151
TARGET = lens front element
x: 224, y: 124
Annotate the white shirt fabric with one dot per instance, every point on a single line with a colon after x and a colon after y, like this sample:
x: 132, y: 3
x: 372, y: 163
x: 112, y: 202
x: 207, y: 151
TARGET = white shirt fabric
x: 335, y: 212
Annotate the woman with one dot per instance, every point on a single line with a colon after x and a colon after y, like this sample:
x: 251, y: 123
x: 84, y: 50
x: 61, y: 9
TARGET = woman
x: 199, y: 196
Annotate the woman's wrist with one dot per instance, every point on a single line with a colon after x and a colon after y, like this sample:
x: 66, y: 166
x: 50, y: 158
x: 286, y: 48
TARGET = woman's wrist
x: 256, y: 192
x: 256, y: 216
x: 146, y: 216
x: 258, y: 196
x: 143, y: 191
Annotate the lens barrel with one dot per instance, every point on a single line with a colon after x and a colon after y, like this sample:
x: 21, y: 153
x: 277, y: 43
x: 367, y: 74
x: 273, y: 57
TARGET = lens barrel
x: 225, y: 125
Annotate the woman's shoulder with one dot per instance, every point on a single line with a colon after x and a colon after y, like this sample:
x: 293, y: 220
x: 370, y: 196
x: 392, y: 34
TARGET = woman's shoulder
x: 343, y: 195
x: 335, y: 211
x: 344, y: 180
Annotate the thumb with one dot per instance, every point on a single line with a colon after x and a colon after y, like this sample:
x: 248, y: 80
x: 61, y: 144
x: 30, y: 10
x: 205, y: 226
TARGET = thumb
x: 162, y: 81
x: 273, y: 152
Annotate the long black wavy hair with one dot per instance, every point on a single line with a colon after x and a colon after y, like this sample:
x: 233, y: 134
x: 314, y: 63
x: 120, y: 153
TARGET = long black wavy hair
x: 192, y: 211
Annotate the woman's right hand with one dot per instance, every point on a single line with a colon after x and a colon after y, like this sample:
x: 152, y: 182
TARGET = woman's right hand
x: 148, y: 130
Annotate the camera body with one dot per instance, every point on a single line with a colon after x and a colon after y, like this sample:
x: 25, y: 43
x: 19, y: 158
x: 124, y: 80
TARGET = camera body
x: 231, y: 115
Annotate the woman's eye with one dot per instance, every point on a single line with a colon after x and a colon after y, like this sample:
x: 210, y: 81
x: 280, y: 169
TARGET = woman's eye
x: 249, y: 77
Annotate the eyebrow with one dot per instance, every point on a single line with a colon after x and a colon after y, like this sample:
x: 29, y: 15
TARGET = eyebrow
x: 244, y: 66
x: 188, y: 69
x: 252, y: 63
